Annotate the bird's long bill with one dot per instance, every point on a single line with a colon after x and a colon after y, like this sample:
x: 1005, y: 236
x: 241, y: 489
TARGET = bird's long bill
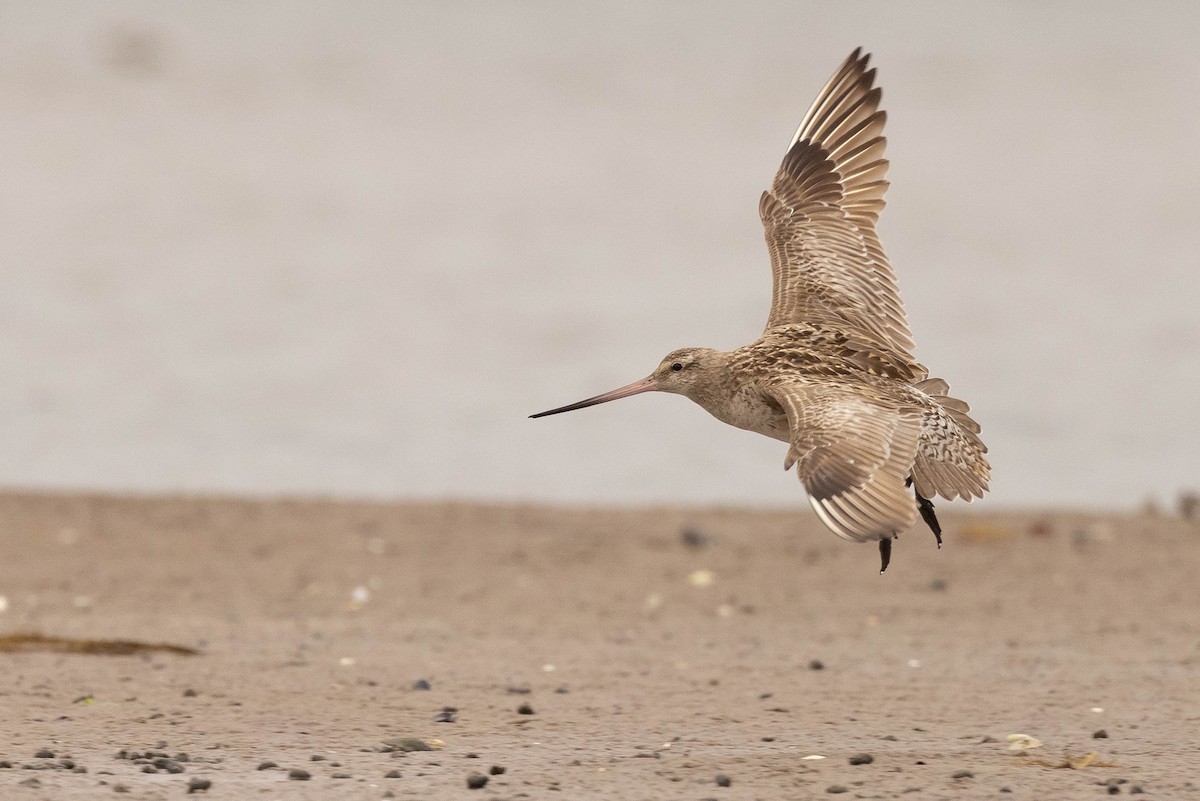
x: 644, y: 385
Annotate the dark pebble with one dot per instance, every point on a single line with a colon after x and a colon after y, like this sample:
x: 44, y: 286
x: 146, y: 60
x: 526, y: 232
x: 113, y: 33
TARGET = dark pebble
x: 45, y: 753
x: 1100, y: 734
x: 68, y: 764
x: 120, y: 788
x: 422, y: 684
x: 448, y: 714
x: 938, y: 585
x: 1006, y: 789
x: 963, y: 774
x: 497, y: 770
x: 266, y: 765
x: 723, y: 781
x: 562, y: 690
x: 182, y: 757
x: 890, y: 738
x: 408, y: 744
x: 476, y: 781
x: 295, y: 774
x: 1114, y: 789
x: 524, y: 709
x: 837, y: 788
x: 518, y: 690
x: 1136, y: 790
x: 817, y: 664
x: 149, y: 769
x: 196, y: 785
x: 341, y: 776
x: 5, y: 764
x: 695, y: 538
x: 316, y: 758
x: 190, y: 693
x: 861, y: 759
x: 768, y: 739
x: 392, y: 774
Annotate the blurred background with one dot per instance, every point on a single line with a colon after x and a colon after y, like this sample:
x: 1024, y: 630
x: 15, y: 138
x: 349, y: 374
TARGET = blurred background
x: 345, y: 248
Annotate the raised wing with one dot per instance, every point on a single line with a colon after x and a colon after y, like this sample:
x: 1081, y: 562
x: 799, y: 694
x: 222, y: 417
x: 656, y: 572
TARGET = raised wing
x: 820, y: 213
x: 852, y: 452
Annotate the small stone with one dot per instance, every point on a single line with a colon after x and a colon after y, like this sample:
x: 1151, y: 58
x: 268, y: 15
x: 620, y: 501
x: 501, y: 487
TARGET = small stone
x: 723, y: 781
x: 861, y: 759
x: 1114, y: 789
x: 817, y: 664
x: 938, y: 585
x: 497, y: 770
x: 197, y: 785
x: 408, y: 744
x: 448, y: 714
x: 1136, y: 789
x: 190, y: 693
x: 392, y: 774
x: 1006, y: 789
x: 4, y: 763
x: 476, y: 781
x: 266, y: 765
x: 316, y: 758
x: 120, y: 788
x: 988, y: 739
x: 525, y: 709
x: 422, y: 684
x: 68, y: 764
x: 295, y: 774
x: 695, y: 538
x: 45, y: 753
x: 1100, y: 734
x: 341, y: 776
x: 149, y: 769
x: 837, y: 789
x: 963, y: 774
x: 562, y: 690
x: 767, y: 739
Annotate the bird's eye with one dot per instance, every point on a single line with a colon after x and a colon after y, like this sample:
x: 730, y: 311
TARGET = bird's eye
x: 677, y: 367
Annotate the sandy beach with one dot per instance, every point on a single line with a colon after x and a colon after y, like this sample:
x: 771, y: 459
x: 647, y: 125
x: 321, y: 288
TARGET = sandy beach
x: 661, y: 653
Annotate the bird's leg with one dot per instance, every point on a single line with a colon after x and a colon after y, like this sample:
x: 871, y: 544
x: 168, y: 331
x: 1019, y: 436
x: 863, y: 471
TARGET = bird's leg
x: 927, y: 513
x: 930, y: 518
x: 885, y: 553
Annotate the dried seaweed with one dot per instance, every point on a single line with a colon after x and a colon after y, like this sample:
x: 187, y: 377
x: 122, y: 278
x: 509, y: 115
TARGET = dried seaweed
x: 34, y: 643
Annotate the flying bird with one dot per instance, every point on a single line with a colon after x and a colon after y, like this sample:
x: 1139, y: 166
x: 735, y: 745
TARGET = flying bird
x: 872, y: 437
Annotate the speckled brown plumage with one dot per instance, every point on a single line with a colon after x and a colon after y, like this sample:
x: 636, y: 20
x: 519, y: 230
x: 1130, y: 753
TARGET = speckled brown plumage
x: 870, y: 434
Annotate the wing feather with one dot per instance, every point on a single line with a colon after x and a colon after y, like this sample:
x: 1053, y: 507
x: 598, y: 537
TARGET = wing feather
x: 819, y: 218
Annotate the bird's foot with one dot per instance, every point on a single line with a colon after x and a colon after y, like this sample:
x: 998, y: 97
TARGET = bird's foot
x: 885, y: 553
x: 930, y: 517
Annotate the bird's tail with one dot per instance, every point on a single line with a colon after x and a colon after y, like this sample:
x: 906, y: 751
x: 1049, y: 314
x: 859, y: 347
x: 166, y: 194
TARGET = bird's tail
x: 951, y: 458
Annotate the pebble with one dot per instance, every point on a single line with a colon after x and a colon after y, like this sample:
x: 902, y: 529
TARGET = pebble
x: 767, y: 739
x: 266, y: 765
x: 525, y: 709
x: 295, y: 774
x: 963, y: 774
x: 476, y: 781
x: 408, y: 744
x: 120, y: 788
x: 817, y: 664
x: 448, y: 714
x: 45, y: 753
x: 1100, y: 734
x: 5, y: 764
x: 723, y: 780
x: 341, y: 776
x: 422, y: 684
x: 1136, y: 790
x: 861, y: 759
x: 497, y: 770
x: 695, y: 538
x: 190, y: 693
x: 837, y: 788
x: 196, y: 785
x: 392, y: 774
x: 1006, y: 789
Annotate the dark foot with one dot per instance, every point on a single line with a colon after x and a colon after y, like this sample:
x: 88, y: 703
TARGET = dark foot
x: 928, y: 515
x: 885, y: 554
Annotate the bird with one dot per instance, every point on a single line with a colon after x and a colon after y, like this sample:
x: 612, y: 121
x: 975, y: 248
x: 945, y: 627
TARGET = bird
x: 872, y: 436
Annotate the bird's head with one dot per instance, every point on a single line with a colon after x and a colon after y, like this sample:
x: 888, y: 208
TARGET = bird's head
x: 682, y: 372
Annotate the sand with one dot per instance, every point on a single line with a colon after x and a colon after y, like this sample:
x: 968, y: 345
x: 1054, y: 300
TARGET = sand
x: 661, y: 653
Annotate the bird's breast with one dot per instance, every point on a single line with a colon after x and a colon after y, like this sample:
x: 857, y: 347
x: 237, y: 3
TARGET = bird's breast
x: 751, y: 411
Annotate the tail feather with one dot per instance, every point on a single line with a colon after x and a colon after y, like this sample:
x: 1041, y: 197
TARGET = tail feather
x: 951, y: 460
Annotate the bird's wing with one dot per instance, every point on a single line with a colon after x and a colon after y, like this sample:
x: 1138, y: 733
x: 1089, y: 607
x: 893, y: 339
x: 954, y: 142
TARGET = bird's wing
x: 820, y: 214
x: 853, y: 451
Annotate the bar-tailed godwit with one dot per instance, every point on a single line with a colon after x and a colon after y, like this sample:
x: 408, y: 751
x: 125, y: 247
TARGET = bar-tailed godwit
x: 872, y: 436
